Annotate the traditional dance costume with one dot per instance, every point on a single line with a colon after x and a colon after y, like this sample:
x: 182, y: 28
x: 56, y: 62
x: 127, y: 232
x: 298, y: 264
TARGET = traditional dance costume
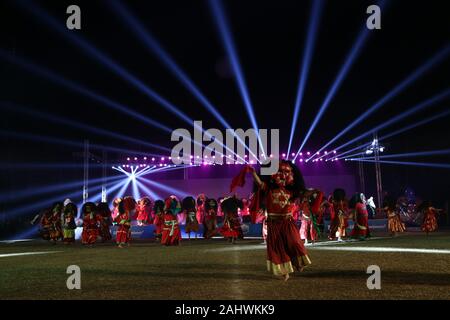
x: 158, y: 221
x: 143, y: 211
x: 127, y: 208
x: 210, y: 221
x: 105, y: 220
x: 338, y: 216
x: 188, y: 206
x: 361, y: 217
x: 68, y: 224
x: 429, y: 223
x: 285, y: 250
x: 231, y: 228
x: 171, y: 235
x: 394, y: 223
x: 90, y: 224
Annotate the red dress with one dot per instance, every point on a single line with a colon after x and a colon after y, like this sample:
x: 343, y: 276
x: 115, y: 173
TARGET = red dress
x: 171, y: 235
x: 361, y: 227
x: 158, y: 221
x: 231, y: 226
x: 285, y: 250
x: 429, y: 221
x: 90, y: 229
x: 124, y: 229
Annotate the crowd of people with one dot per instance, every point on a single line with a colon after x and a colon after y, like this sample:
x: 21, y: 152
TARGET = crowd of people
x: 292, y: 216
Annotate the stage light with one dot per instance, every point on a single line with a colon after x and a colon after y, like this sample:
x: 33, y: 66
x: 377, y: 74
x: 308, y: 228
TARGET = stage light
x: 309, y: 45
x: 437, y: 58
x: 128, y: 159
x: 227, y: 42
x: 334, y: 152
x: 301, y: 160
x: 145, y: 158
x: 326, y: 152
x: 308, y: 153
x: 419, y: 107
x: 349, y: 60
x: 59, y: 80
x: 135, y: 159
x: 170, y: 158
x: 415, y: 164
x: 284, y: 155
x: 155, y: 48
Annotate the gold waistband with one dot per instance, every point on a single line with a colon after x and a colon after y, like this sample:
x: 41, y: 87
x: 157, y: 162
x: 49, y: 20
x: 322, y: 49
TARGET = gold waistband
x: 279, y: 215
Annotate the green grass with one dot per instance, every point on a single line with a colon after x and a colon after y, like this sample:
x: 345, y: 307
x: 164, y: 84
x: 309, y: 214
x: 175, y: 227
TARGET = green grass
x: 193, y: 271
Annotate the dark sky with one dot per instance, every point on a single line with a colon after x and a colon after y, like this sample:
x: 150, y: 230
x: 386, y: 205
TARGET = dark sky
x: 269, y: 37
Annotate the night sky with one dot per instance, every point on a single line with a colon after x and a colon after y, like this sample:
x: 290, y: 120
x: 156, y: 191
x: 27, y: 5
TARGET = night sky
x: 269, y: 37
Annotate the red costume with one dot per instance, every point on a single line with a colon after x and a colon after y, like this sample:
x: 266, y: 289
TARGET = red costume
x: 171, y: 235
x: 144, y: 211
x: 360, y: 217
x: 338, y: 215
x: 127, y: 208
x: 105, y: 220
x: 285, y: 250
x: 201, y: 200
x: 231, y: 228
x: 210, y: 221
x: 90, y: 224
x: 429, y: 223
x: 158, y: 221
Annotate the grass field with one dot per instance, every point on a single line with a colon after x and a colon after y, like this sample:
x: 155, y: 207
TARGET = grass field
x: 214, y: 269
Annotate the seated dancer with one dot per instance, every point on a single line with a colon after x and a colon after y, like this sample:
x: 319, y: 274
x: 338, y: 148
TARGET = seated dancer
x: 143, y: 211
x: 394, y: 224
x: 312, y: 200
x: 278, y: 192
x: 201, y: 199
x: 158, y: 221
x: 68, y: 223
x: 231, y: 228
x: 360, y: 215
x: 188, y: 206
x: 57, y: 212
x: 210, y: 221
x: 90, y: 224
x: 171, y: 234
x: 429, y: 223
x: 115, y: 210
x: 338, y: 216
x: 104, y: 217
x: 46, y: 224
x: 127, y: 208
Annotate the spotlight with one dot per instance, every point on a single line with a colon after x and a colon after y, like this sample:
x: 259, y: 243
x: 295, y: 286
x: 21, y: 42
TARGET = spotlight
x: 145, y: 158
x: 170, y: 158
x: 301, y: 160
x: 301, y: 153
x: 162, y: 159
x: 153, y: 159
x: 308, y: 153
x: 128, y: 159
x: 135, y: 158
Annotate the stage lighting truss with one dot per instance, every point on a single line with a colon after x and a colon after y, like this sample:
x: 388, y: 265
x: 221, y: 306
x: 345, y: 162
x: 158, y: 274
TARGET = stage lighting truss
x: 374, y: 146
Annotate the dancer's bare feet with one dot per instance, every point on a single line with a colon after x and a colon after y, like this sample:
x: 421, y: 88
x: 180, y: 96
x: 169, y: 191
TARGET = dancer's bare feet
x: 286, y: 277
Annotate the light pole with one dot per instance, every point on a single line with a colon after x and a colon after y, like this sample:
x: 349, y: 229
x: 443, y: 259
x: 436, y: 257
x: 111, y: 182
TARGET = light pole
x: 375, y: 148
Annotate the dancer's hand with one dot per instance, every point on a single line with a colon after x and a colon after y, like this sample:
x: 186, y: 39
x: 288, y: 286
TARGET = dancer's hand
x: 249, y: 168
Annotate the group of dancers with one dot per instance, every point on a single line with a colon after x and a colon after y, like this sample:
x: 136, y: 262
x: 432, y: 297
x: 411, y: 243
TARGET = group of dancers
x: 279, y: 201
